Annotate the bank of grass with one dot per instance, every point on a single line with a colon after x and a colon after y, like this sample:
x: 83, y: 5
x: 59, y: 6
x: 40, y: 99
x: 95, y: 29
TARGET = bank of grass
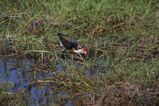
x: 123, y: 34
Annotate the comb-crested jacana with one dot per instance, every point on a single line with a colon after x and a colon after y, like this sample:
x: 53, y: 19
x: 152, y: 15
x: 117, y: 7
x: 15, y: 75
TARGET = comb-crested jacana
x: 71, y: 44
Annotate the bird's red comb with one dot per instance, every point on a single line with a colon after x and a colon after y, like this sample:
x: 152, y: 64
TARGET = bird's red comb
x: 85, y: 49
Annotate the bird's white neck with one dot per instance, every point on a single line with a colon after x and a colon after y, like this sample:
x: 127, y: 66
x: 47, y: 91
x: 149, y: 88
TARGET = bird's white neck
x: 78, y: 51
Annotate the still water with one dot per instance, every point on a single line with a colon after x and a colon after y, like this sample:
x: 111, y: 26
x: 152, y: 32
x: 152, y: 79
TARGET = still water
x: 15, y: 76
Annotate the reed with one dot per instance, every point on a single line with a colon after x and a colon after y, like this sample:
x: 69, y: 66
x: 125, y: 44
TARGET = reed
x: 122, y: 37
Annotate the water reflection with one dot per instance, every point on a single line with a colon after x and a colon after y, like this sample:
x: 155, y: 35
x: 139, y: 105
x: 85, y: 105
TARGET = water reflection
x: 16, y: 73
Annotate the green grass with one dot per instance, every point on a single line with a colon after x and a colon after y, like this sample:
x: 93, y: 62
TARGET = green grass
x: 122, y: 34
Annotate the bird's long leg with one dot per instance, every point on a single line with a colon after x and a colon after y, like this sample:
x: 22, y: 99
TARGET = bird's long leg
x: 81, y: 56
x: 63, y: 50
x: 71, y: 57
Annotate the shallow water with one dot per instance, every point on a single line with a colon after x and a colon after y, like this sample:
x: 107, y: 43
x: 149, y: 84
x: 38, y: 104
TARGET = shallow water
x: 16, y: 74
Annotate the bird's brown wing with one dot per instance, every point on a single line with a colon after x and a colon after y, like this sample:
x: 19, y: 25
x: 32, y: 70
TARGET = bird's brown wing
x: 67, y: 42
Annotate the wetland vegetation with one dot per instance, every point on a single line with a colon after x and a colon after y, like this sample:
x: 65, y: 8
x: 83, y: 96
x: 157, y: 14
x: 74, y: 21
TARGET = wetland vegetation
x: 122, y: 67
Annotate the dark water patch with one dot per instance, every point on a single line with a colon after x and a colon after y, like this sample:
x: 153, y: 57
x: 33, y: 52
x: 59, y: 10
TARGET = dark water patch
x: 93, y: 70
x: 59, y: 67
x: 20, y: 76
x: 16, y: 74
x: 98, y: 67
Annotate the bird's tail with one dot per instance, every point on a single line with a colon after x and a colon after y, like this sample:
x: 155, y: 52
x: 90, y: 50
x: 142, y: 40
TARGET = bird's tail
x: 59, y: 38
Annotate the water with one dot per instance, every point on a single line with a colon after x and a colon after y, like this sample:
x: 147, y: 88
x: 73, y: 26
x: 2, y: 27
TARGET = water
x: 17, y: 74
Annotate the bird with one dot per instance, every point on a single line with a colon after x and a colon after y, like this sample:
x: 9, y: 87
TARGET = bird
x: 71, y: 44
